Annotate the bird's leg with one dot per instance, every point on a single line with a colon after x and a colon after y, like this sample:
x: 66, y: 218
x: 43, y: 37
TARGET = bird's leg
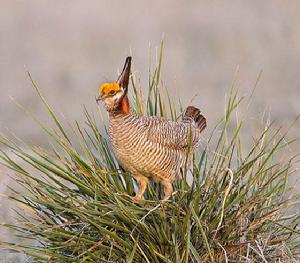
x: 142, y: 183
x: 168, y: 189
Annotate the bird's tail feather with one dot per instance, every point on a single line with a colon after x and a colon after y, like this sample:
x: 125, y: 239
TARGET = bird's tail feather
x: 193, y: 114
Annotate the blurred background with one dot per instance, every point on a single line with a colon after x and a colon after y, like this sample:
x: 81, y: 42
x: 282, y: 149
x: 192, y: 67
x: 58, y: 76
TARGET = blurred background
x: 70, y: 47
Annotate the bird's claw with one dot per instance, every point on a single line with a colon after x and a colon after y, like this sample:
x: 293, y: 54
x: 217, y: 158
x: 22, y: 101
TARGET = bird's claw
x: 138, y: 199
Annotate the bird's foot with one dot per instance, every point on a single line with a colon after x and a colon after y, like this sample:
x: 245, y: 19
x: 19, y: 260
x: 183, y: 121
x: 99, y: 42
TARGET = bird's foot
x: 138, y: 199
x: 166, y: 198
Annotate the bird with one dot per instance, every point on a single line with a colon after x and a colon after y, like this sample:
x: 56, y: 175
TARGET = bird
x: 149, y: 147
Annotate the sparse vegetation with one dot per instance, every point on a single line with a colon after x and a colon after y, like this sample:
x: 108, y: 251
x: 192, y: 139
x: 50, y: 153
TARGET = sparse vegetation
x: 78, y: 205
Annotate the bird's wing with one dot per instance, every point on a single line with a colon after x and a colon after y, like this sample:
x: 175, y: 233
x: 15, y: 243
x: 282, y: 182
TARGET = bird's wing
x: 175, y: 135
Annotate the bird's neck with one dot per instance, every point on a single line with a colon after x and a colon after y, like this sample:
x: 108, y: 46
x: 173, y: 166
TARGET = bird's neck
x: 123, y: 108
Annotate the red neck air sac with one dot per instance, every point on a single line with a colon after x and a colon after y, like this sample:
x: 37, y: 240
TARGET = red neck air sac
x: 125, y: 105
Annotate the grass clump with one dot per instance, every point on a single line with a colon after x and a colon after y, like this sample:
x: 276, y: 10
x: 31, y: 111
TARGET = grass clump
x: 78, y: 207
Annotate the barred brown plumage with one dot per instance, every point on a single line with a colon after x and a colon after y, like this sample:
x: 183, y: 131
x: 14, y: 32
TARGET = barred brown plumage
x: 149, y: 147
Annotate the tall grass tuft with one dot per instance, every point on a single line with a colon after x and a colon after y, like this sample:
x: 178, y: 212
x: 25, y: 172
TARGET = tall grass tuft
x: 78, y: 208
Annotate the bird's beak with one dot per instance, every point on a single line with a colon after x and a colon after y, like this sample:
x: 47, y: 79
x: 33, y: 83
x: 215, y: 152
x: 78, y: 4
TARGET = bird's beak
x: 100, y: 97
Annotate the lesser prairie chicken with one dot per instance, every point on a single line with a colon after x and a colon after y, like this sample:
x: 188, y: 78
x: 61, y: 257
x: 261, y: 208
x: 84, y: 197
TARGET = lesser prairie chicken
x: 149, y: 147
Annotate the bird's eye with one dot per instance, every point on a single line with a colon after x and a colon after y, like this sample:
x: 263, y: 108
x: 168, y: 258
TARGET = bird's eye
x: 112, y: 92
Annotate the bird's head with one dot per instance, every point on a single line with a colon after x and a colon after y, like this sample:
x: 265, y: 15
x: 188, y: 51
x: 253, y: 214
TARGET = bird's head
x: 114, y: 94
